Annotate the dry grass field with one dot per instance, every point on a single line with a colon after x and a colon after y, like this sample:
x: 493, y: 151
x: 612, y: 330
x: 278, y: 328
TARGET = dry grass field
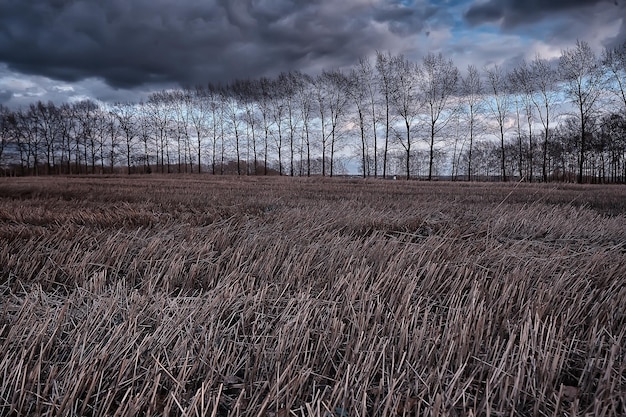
x: 205, y: 296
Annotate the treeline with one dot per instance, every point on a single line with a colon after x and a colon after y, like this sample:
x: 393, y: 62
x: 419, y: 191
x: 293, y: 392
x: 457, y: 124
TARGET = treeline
x: 550, y: 121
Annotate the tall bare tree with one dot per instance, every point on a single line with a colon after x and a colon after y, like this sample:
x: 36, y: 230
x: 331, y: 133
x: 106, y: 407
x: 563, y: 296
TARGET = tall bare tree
x: 614, y: 62
x: 180, y: 129
x: 384, y: 69
x: 5, y: 130
x: 86, y: 113
x: 232, y: 101
x: 368, y: 79
x: 199, y: 114
x: 214, y: 97
x: 145, y: 133
x: 545, y: 97
x: 182, y: 104
x: 438, y: 80
x: 523, y: 81
x: 279, y: 113
x: 305, y: 102
x: 359, y: 96
x: 320, y: 92
x: 46, y: 117
x: 264, y: 99
x: 337, y: 95
x: 582, y: 78
x: 30, y: 140
x: 126, y: 117
x: 249, y: 101
x: 161, y: 115
x: 289, y: 85
x: 67, y: 128
x: 331, y: 92
x: 407, y: 101
x: 472, y: 91
x: 499, y: 105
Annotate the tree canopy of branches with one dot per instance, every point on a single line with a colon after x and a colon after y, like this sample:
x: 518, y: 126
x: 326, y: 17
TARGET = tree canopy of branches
x: 388, y: 116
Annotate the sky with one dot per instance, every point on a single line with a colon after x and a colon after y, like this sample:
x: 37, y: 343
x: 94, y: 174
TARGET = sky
x: 121, y: 50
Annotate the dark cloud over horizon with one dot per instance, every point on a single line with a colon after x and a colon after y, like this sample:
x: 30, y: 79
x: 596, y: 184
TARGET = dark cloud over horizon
x: 120, y: 49
x: 514, y: 12
x: 581, y: 13
x: 130, y: 43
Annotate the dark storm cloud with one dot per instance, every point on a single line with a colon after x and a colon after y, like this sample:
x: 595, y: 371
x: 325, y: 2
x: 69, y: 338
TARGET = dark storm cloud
x: 404, y: 20
x: 133, y: 42
x: 556, y: 22
x: 514, y: 12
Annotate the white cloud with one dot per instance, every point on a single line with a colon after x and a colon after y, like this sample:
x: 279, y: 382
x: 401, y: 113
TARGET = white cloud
x: 545, y: 50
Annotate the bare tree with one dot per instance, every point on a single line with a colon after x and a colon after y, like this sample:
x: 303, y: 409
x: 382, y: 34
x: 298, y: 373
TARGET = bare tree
x: 240, y: 110
x: 249, y: 101
x: 459, y: 139
x: 320, y: 98
x: 289, y: 85
x: 305, y: 102
x: 29, y: 139
x: 614, y: 62
x: 145, y: 132
x: 406, y: 101
x: 199, y: 114
x: 161, y: 114
x: 279, y: 111
x: 126, y: 117
x: 359, y: 95
x: 337, y: 96
x: 46, y: 118
x: 384, y: 69
x: 368, y: 79
x: 580, y: 72
x: 438, y: 80
x: 472, y: 91
x: 5, y: 130
x: 499, y: 106
x: 214, y: 96
x: 66, y: 132
x: 331, y: 93
x: 113, y: 134
x: 182, y: 104
x: 264, y: 99
x: 544, y: 98
x: 523, y: 82
x: 86, y: 113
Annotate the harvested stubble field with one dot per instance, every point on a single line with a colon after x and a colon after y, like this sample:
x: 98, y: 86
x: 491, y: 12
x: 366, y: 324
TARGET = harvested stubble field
x: 197, y: 295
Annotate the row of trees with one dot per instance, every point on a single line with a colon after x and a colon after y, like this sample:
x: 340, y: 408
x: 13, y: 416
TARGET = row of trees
x: 396, y: 117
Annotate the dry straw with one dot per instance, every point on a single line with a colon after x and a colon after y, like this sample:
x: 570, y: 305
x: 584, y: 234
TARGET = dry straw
x: 204, y: 296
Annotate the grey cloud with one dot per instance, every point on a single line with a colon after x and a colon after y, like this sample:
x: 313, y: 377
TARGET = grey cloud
x: 484, y: 12
x: 20, y: 90
x: 129, y: 43
x: 556, y: 22
x: 515, y: 12
x: 404, y: 20
x: 5, y: 96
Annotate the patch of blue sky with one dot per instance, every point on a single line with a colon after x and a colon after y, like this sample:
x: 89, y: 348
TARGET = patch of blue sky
x: 450, y: 3
x: 436, y: 3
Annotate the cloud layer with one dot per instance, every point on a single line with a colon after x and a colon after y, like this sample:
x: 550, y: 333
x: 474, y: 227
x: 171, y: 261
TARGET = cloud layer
x: 129, y: 43
x: 565, y: 19
x: 85, y: 47
x: 513, y: 12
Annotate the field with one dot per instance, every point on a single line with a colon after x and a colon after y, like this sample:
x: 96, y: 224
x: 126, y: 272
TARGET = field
x: 200, y: 295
